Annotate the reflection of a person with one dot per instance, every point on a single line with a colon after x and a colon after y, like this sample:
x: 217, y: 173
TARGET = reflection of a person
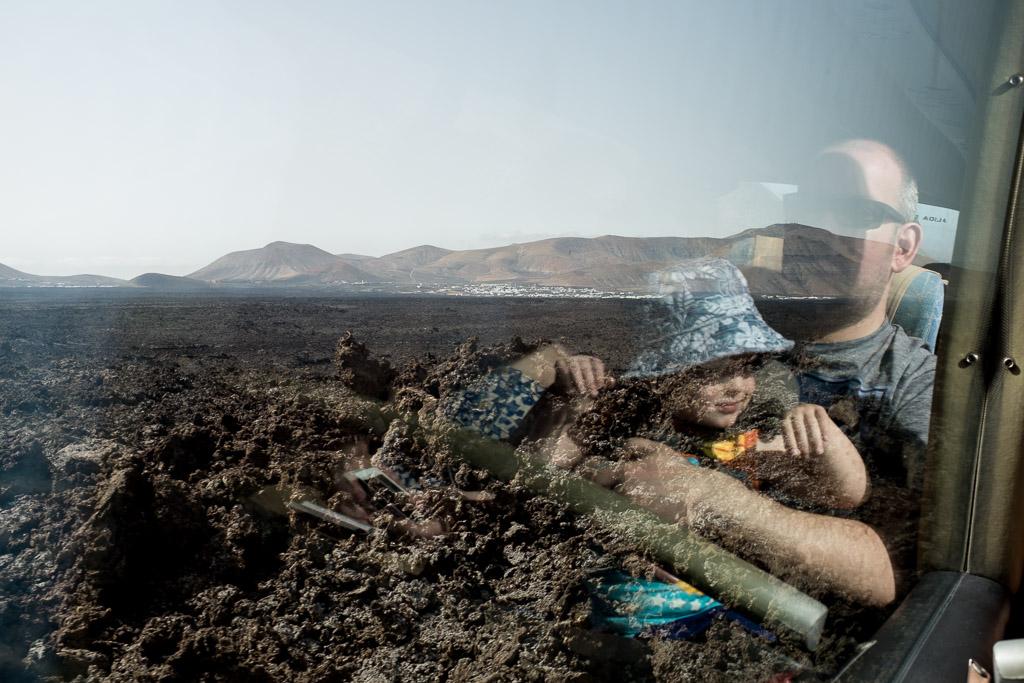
x: 854, y: 230
x: 855, y: 192
x: 859, y: 201
x: 839, y: 555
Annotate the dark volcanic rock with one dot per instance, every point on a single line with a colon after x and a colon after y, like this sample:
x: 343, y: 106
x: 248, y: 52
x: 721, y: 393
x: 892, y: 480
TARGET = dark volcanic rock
x: 23, y: 469
x: 134, y: 548
x: 359, y: 371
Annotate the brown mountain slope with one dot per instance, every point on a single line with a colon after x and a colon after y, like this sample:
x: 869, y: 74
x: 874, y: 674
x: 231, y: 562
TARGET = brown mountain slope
x: 341, y: 273
x: 414, y: 257
x: 572, y: 261
x: 279, y: 262
x: 404, y: 266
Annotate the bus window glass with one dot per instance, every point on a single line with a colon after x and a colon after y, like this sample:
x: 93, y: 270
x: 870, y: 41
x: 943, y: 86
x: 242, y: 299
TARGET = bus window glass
x: 420, y: 341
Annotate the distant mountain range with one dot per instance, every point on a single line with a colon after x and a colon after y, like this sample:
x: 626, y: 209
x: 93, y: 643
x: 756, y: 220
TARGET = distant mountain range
x: 9, y: 277
x: 607, y: 263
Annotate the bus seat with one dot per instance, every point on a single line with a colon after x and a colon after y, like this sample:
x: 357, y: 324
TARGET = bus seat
x: 915, y: 303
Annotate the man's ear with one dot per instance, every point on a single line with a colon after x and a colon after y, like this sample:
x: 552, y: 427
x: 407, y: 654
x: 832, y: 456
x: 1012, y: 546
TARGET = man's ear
x: 908, y: 241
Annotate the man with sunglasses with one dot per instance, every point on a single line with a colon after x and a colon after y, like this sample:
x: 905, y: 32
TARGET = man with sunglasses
x: 851, y: 226
x: 852, y: 229
x: 853, y: 219
x: 862, y: 200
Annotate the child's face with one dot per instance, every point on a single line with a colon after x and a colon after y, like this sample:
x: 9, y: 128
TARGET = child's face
x: 713, y: 395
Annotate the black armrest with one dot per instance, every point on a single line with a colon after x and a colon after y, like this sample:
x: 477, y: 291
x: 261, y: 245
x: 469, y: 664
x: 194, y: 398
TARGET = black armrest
x: 947, y: 618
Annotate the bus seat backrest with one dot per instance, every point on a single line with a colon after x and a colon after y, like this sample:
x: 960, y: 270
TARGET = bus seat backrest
x: 915, y: 303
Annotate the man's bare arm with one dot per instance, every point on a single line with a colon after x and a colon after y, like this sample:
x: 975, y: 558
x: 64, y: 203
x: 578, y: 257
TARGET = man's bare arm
x: 844, y: 555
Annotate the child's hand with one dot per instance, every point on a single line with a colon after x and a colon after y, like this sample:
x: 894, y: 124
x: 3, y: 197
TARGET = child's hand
x: 806, y: 430
x: 542, y: 365
x: 830, y: 472
x: 585, y: 375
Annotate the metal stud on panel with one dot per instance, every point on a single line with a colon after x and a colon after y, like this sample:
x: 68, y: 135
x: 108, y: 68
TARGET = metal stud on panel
x: 968, y: 360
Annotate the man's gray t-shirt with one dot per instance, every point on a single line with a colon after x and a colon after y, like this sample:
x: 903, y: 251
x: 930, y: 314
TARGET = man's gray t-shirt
x: 879, y: 388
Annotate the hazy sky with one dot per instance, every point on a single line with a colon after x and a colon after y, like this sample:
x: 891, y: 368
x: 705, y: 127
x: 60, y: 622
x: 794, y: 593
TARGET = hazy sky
x: 142, y: 136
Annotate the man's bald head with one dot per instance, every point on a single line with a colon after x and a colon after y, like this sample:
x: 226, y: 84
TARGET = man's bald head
x: 840, y: 227
x: 870, y: 168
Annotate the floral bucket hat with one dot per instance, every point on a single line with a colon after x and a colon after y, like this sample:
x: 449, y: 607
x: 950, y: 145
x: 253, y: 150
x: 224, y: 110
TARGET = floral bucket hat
x: 710, y: 315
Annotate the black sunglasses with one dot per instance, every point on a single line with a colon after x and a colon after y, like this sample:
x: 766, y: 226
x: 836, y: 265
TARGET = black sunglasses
x: 848, y: 214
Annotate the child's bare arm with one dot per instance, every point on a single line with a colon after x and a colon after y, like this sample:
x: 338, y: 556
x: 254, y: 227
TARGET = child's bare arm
x: 821, y: 465
x: 578, y: 376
